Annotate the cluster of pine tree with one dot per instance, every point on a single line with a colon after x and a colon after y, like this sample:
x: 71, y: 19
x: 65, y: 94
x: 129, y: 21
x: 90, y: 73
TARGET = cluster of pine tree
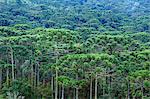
x: 75, y: 49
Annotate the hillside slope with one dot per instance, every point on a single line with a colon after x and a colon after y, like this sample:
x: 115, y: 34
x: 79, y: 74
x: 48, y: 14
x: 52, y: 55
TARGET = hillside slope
x: 75, y: 49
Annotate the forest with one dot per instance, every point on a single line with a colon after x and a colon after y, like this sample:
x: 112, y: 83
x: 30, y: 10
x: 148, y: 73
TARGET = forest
x: 74, y: 49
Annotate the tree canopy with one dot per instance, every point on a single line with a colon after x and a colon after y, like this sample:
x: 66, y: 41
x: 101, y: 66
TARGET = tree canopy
x: 74, y: 49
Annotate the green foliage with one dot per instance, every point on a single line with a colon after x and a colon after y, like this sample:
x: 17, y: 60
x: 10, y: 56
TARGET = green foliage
x: 18, y: 86
x: 69, y: 46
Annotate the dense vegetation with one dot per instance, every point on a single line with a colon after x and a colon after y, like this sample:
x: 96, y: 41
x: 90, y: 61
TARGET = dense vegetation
x: 75, y: 49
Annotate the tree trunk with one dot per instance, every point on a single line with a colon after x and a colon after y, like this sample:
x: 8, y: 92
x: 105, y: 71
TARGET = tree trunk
x: 77, y: 91
x: 59, y: 90
x: 128, y: 96
x: 56, y: 84
x: 91, y: 88
x: 52, y: 87
x: 43, y: 81
x: 62, y: 94
x: 142, y: 89
x: 12, y: 64
x: 96, y: 86
x: 107, y: 82
x: 0, y: 78
x: 38, y: 74
x: 35, y: 75
x: 32, y: 74
x: 7, y: 71
x: 103, y: 88
x: 7, y: 76
x: 110, y: 87
x: 74, y: 93
x: 134, y: 95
